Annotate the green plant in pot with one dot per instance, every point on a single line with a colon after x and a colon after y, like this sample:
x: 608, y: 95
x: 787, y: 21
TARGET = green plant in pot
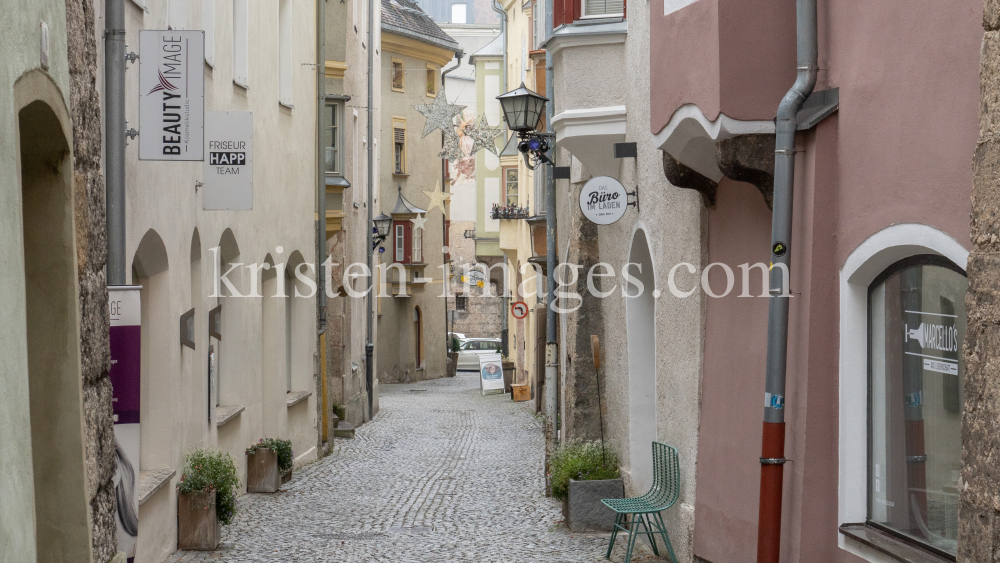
x: 583, y: 473
x: 206, y: 498
x: 269, y: 465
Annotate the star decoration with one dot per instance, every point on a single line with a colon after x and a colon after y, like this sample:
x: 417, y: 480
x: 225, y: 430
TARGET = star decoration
x: 419, y: 221
x: 440, y: 114
x: 437, y: 197
x: 452, y: 147
x: 482, y: 136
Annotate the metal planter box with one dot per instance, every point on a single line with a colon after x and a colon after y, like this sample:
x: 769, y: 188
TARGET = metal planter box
x: 262, y: 472
x: 583, y: 508
x: 198, y: 528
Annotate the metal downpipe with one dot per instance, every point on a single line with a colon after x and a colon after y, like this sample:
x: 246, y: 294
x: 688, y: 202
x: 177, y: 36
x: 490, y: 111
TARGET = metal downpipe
x: 551, y: 346
x: 773, y: 442
x: 321, y: 280
x: 114, y: 131
x: 503, y: 31
x: 370, y: 338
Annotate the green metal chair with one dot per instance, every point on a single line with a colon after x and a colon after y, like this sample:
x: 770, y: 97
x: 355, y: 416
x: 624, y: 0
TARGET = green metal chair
x: 644, y: 512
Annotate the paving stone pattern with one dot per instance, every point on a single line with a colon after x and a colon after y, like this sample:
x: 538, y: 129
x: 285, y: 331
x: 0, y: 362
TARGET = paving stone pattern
x: 442, y: 474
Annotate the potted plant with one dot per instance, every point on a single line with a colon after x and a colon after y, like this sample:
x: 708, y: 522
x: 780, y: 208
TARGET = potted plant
x: 206, y: 498
x: 269, y: 465
x: 583, y: 473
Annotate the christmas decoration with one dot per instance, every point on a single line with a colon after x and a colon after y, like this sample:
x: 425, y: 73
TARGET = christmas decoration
x: 440, y: 114
x: 419, y: 221
x: 437, y: 197
x: 452, y: 147
x: 483, y: 136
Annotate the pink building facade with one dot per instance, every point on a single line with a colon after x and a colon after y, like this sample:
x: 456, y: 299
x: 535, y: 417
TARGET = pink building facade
x: 878, y: 251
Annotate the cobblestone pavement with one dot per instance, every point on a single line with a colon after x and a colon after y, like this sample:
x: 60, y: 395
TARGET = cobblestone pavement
x: 442, y: 474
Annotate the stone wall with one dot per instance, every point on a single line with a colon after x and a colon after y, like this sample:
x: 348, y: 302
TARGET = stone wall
x: 91, y: 241
x: 979, y: 516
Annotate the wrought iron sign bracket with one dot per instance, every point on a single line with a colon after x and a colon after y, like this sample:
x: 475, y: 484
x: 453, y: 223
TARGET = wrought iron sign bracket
x: 635, y: 194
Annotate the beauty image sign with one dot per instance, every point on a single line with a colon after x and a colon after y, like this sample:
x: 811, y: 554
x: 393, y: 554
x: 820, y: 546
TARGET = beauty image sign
x: 603, y: 200
x: 126, y: 353
x: 490, y: 372
x: 171, y: 95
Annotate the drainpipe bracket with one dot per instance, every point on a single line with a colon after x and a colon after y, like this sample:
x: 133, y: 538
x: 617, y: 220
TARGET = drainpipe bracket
x: 772, y: 461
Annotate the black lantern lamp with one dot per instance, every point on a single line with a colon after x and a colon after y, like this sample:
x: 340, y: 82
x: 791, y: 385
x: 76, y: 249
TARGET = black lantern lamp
x: 381, y: 229
x: 523, y: 110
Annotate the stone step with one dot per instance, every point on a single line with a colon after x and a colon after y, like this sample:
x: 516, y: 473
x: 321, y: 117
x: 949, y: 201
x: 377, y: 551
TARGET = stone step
x: 344, y: 430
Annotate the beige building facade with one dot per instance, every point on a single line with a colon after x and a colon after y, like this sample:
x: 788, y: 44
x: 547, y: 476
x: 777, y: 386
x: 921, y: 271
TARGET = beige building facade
x: 254, y: 375
x: 411, y: 307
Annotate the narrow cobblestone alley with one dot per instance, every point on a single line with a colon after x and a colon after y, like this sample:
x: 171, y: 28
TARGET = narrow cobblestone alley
x: 442, y: 474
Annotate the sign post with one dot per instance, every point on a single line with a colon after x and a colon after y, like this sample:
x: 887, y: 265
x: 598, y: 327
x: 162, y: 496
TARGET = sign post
x: 228, y: 167
x: 126, y: 352
x: 171, y: 94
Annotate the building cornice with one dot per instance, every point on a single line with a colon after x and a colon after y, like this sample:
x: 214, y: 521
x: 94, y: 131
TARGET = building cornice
x: 335, y: 69
x: 584, y: 34
x: 396, y: 42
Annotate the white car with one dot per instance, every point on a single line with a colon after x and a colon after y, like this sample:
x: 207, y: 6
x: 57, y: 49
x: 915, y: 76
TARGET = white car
x: 468, y: 356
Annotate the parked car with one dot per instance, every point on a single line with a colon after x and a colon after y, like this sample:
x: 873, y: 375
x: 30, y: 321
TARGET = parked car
x: 472, y: 348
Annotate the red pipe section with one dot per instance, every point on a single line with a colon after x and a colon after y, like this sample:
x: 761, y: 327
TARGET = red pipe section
x: 769, y: 518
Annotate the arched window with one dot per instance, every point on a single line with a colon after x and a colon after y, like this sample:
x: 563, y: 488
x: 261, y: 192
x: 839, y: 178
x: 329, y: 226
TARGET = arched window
x: 917, y: 322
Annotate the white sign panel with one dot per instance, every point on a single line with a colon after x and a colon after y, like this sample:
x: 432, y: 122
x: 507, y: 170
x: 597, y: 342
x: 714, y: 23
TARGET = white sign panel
x: 490, y: 372
x: 228, y: 168
x: 171, y: 94
x: 603, y: 200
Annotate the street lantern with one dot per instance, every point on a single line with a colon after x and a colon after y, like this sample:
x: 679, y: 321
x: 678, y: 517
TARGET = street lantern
x: 381, y: 229
x: 522, y: 109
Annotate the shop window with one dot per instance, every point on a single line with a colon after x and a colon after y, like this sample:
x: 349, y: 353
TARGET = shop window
x: 397, y: 75
x: 917, y: 325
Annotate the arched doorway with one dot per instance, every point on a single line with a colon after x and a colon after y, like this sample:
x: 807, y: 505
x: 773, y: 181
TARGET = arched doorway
x: 52, y: 333
x: 640, y: 312
x: 418, y: 337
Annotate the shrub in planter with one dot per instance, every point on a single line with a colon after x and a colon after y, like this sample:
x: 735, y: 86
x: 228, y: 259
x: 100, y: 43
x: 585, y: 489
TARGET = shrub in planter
x: 206, y: 498
x: 267, y: 461
x: 581, y: 476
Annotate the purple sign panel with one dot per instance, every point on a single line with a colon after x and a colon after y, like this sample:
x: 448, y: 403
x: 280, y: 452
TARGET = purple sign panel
x: 126, y: 353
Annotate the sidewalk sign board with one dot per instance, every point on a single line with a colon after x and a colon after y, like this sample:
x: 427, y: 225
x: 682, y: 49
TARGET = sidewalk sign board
x: 126, y: 349
x: 490, y: 373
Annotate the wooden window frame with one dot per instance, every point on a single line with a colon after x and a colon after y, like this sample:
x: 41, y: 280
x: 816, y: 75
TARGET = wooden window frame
x: 338, y: 137
x: 399, y: 123
x: 504, y: 200
x: 402, y: 75
x: 432, y: 73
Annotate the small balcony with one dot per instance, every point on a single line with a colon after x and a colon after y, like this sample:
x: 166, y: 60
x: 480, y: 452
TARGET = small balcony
x: 509, y: 212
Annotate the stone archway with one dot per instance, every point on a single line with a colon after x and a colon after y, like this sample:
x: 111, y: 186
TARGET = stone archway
x: 640, y: 313
x: 62, y: 528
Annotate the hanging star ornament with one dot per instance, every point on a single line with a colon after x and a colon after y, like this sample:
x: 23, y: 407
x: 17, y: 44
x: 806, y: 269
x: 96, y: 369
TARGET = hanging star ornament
x: 440, y: 114
x: 452, y: 147
x: 419, y: 221
x: 437, y: 197
x: 483, y: 136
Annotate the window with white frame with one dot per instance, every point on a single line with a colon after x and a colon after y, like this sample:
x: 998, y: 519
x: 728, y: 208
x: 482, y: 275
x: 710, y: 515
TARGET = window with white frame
x: 602, y: 8
x: 285, y: 52
x: 418, y: 245
x: 400, y: 243
x: 241, y: 30
x: 332, y: 139
x: 458, y: 13
x: 917, y: 323
x: 208, y: 25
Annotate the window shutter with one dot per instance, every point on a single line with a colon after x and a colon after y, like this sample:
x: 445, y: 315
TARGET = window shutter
x: 602, y: 7
x: 400, y: 135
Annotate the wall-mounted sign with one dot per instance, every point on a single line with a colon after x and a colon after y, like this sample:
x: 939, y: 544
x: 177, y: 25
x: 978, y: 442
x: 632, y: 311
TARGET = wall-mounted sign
x: 519, y: 309
x: 228, y: 168
x: 171, y: 94
x: 603, y: 200
x: 126, y: 353
x: 490, y: 372
x: 473, y: 277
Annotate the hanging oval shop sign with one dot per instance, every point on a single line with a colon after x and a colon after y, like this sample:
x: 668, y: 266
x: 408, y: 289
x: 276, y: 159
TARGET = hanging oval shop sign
x: 603, y: 200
